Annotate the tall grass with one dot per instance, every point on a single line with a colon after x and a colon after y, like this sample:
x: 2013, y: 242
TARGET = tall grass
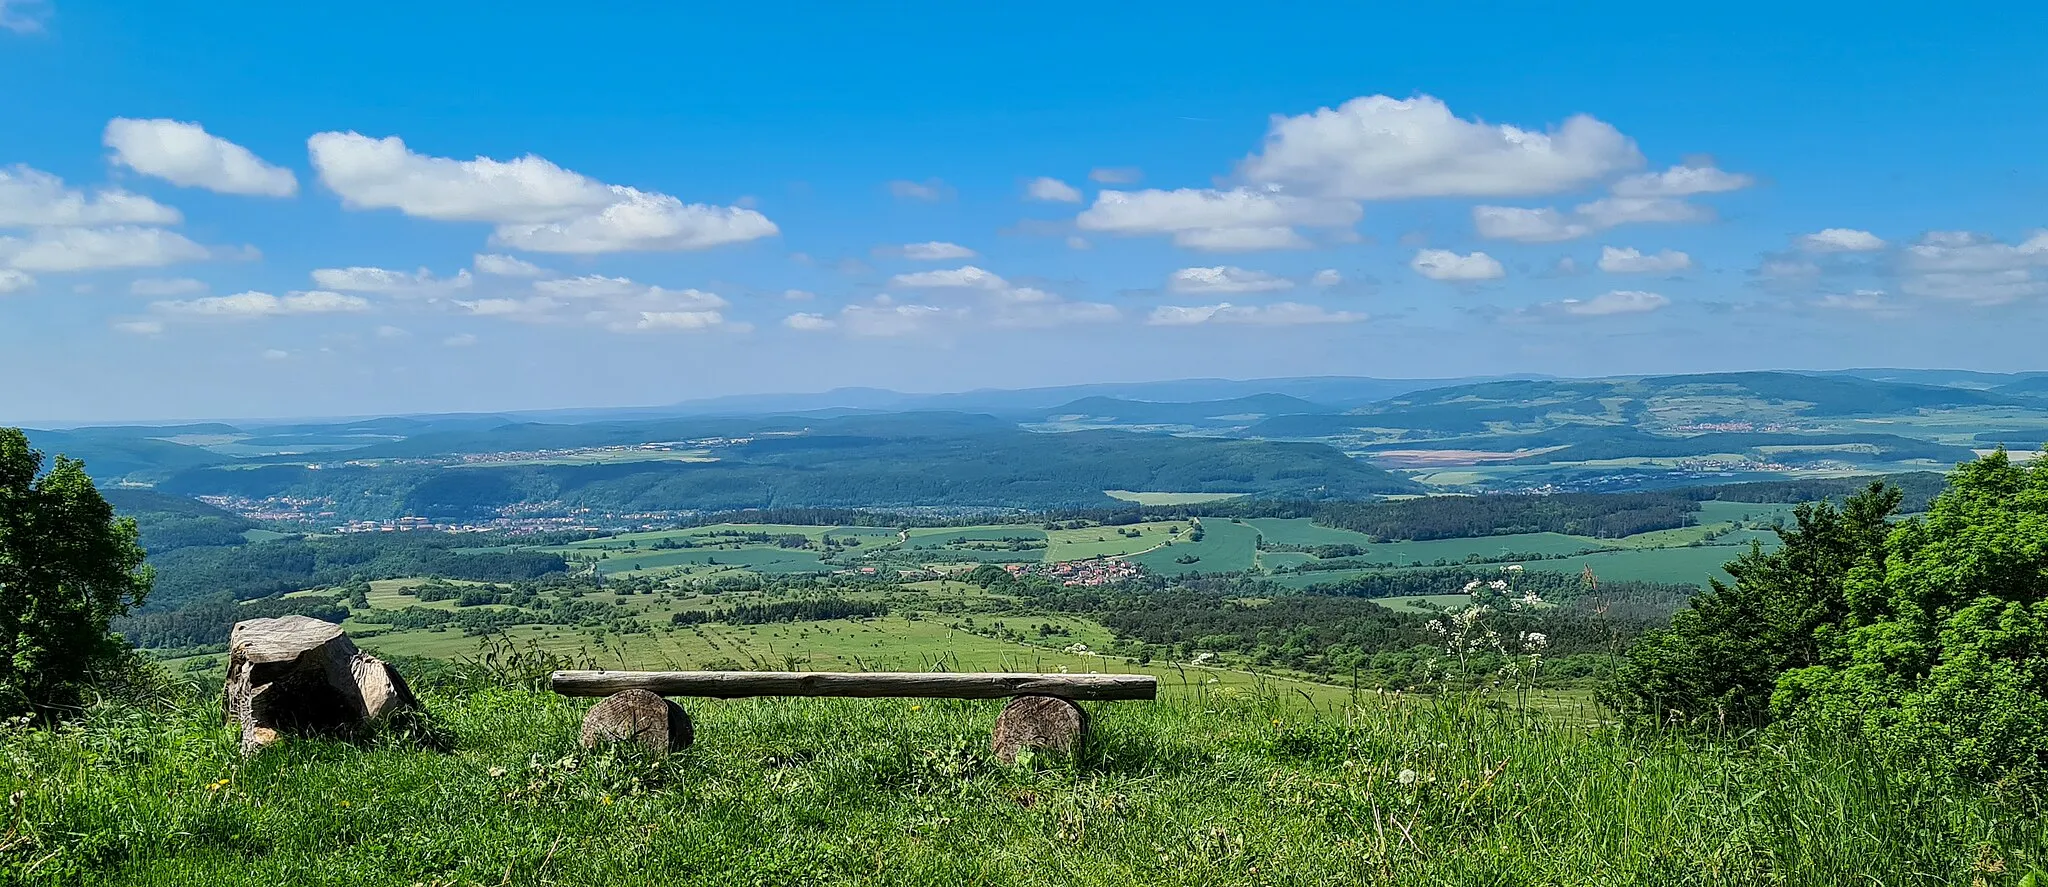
x: 1222, y: 790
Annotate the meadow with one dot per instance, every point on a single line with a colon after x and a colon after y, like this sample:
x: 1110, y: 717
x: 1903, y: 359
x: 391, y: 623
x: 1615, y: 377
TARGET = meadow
x: 1228, y: 787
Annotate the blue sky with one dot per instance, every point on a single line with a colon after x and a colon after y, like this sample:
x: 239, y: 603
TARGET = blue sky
x: 238, y: 209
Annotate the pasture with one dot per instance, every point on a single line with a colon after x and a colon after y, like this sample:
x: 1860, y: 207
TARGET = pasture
x: 1169, y: 498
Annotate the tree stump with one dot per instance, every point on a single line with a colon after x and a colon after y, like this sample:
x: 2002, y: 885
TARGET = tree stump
x: 296, y: 675
x: 1044, y: 723
x: 638, y: 716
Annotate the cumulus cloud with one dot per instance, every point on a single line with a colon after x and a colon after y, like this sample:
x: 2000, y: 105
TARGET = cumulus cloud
x: 1238, y: 240
x: 31, y: 198
x: 1276, y: 314
x: 84, y: 249
x: 1549, y: 225
x: 258, y: 304
x: 929, y: 251
x: 361, y: 279
x: 1326, y: 277
x: 12, y: 281
x: 1632, y: 261
x: 808, y: 322
x: 928, y: 191
x: 1605, y: 304
x: 536, y: 205
x: 1871, y: 301
x: 1209, y: 218
x: 186, y: 154
x: 1377, y: 147
x: 1840, y: 240
x: 1442, y: 264
x: 1225, y: 279
x: 964, y: 277
x: 1681, y: 181
x: 1973, y: 268
x: 506, y: 266
x: 1050, y: 190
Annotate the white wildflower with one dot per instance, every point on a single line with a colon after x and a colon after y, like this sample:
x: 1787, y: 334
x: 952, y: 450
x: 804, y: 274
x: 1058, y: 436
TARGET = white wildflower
x: 1407, y: 777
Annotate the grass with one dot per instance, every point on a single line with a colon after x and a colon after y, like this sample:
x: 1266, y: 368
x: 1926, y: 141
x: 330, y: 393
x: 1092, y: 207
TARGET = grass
x: 1088, y: 542
x: 1225, y: 547
x: 1226, y: 789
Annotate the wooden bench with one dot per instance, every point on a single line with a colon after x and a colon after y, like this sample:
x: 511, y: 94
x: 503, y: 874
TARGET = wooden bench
x: 1041, y: 713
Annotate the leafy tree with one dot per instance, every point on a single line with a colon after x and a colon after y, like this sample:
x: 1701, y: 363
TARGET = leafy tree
x: 1943, y: 653
x: 1718, y: 663
x: 67, y: 568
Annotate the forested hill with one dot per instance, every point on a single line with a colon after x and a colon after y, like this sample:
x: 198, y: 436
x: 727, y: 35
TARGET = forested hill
x: 862, y: 462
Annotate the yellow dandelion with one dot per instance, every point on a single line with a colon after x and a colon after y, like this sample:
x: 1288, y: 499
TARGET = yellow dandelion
x: 917, y: 708
x: 607, y: 800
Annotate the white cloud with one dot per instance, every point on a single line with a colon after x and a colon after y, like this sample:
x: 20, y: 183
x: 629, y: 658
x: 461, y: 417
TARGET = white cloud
x: 1543, y: 225
x: 1548, y: 225
x: 256, y: 304
x: 796, y: 295
x: 1860, y: 300
x: 1632, y: 261
x: 808, y: 322
x: 887, y: 321
x: 533, y: 309
x: 460, y: 340
x: 84, y: 249
x: 1115, y: 175
x: 12, y: 281
x: 1968, y: 251
x: 1840, y: 240
x: 1442, y: 264
x: 678, y: 320
x: 140, y: 327
x: 965, y: 277
x: 1230, y: 240
x: 1036, y: 309
x: 186, y: 154
x: 1326, y: 277
x: 369, y: 173
x: 640, y: 222
x: 1277, y: 314
x: 506, y: 266
x: 536, y: 205
x: 361, y: 279
x: 1608, y: 212
x: 1225, y: 279
x: 1376, y: 147
x: 23, y: 16
x: 929, y: 190
x: 160, y: 287
x: 32, y: 198
x: 276, y: 354
x: 1238, y: 219
x: 1051, y: 190
x: 589, y: 286
x: 1155, y: 211
x: 1681, y: 181
x: 1616, y: 302
x: 932, y: 251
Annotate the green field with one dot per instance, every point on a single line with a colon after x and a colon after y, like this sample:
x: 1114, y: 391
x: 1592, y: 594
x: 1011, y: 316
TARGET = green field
x: 1089, y: 542
x: 1423, y: 603
x: 1225, y: 547
x: 1303, y: 531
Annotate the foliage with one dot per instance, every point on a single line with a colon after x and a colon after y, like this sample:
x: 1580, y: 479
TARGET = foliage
x: 68, y: 566
x: 262, y: 569
x: 809, y: 609
x: 1719, y: 661
x: 1605, y: 515
x: 1942, y: 653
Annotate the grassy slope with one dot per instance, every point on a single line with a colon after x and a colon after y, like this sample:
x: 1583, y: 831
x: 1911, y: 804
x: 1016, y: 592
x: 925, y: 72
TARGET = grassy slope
x: 1228, y: 790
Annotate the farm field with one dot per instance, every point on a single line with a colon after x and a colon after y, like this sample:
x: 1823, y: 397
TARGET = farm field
x: 1084, y: 543
x: 1169, y: 498
x: 1225, y: 547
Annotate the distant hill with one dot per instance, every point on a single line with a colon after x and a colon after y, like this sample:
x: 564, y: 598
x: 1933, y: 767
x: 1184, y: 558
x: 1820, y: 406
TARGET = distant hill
x: 121, y: 453
x: 1240, y: 410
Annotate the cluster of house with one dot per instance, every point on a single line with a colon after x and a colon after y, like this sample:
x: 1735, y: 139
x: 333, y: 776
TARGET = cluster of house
x: 1091, y: 572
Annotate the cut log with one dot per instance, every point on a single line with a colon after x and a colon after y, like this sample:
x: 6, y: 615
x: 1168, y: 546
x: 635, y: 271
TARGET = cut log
x: 296, y: 675
x: 941, y: 685
x: 641, y: 717
x: 1038, y: 723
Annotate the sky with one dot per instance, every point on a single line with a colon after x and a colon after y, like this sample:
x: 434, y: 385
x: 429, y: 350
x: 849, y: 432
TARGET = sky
x: 240, y: 209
